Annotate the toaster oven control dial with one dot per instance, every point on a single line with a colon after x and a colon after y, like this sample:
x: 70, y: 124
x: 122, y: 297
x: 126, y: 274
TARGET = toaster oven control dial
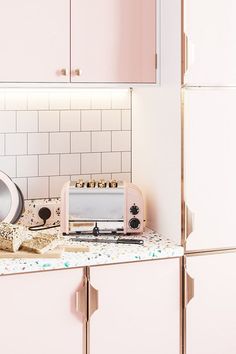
x: 134, y: 223
x: 134, y: 209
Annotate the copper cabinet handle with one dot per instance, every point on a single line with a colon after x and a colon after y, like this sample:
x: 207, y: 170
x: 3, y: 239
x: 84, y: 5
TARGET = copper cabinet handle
x: 81, y: 301
x: 63, y: 72
x: 189, y: 222
x: 86, y: 300
x: 93, y: 300
x: 77, y: 72
x: 189, y: 288
x: 185, y: 52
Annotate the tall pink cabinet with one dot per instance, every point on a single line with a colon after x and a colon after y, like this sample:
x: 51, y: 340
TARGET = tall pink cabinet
x: 209, y: 174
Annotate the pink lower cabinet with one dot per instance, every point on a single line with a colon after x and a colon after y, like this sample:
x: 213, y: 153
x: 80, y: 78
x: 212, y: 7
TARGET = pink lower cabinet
x: 138, y: 308
x: 211, y: 310
x: 38, y: 313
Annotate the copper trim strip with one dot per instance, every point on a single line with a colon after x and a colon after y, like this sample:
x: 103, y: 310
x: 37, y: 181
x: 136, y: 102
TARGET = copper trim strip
x: 182, y: 172
x: 183, y: 46
x: 210, y: 251
x: 181, y: 307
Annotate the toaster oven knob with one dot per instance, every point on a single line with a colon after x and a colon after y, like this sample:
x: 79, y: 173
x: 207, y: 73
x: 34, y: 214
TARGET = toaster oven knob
x: 134, y: 223
x: 134, y: 209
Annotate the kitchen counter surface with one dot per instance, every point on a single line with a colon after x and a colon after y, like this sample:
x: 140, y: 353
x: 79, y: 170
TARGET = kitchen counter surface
x: 155, y: 247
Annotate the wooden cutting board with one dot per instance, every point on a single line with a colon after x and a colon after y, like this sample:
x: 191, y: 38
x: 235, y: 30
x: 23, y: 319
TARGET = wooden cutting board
x: 56, y: 253
x: 75, y: 247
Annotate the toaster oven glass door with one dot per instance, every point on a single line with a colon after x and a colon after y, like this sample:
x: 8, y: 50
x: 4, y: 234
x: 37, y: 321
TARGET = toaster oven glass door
x: 98, y: 205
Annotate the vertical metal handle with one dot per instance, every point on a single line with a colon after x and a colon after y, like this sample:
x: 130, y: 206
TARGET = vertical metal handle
x: 81, y: 305
x: 86, y: 300
x: 184, y: 55
x: 189, y: 288
x: 93, y: 300
x: 189, y: 222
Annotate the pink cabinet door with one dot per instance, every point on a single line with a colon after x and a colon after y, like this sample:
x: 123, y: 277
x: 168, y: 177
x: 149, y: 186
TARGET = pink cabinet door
x: 113, y: 41
x: 210, y: 168
x: 211, y: 31
x: 138, y: 308
x: 211, y: 314
x: 38, y: 313
x: 34, y: 40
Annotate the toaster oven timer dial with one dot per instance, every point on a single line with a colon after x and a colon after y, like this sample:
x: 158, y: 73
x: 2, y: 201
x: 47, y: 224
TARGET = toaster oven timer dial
x: 134, y: 223
x: 134, y: 209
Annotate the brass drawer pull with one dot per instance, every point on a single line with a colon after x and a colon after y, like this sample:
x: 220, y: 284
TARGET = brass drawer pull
x: 63, y: 72
x: 77, y: 72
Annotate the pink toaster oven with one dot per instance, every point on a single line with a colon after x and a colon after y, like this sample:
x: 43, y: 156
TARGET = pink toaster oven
x: 103, y: 207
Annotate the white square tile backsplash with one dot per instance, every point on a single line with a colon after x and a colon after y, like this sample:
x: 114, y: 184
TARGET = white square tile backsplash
x: 80, y: 142
x: 8, y: 122
x: 111, y: 119
x: 27, y: 166
x: 16, y: 144
x: 49, y: 165
x: 48, y: 136
x: 101, y: 141
x: 27, y: 121
x: 38, y: 143
x: 8, y: 165
x: 48, y: 121
x: 91, y: 120
x: 91, y: 163
x: 111, y: 162
x: 59, y: 142
x: 38, y: 187
x: 2, y: 144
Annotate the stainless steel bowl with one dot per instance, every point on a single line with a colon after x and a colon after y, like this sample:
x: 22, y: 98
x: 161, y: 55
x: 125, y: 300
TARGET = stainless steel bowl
x: 11, y: 200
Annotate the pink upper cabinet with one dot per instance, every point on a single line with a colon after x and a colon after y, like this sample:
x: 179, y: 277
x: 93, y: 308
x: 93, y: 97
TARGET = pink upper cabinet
x: 34, y: 40
x: 113, y: 41
x: 210, y: 28
x: 104, y: 41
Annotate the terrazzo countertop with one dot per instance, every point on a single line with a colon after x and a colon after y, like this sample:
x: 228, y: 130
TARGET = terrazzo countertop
x: 155, y: 247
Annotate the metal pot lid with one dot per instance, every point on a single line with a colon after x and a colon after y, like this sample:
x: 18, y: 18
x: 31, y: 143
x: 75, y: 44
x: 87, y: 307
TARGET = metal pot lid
x: 10, y: 200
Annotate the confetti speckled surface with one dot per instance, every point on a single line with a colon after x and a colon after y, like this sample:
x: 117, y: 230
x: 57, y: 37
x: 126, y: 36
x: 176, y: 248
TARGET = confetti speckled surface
x: 155, y: 247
